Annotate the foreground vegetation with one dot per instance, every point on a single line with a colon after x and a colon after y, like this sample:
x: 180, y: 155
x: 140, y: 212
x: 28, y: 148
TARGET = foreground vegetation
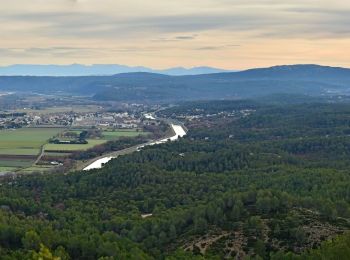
x: 270, y: 185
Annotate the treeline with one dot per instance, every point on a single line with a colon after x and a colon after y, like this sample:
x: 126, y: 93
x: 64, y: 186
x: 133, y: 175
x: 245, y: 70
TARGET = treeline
x: 208, y: 107
x: 110, y: 146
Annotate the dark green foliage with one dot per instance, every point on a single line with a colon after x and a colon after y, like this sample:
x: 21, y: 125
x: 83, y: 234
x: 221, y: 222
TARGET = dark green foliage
x: 282, y: 175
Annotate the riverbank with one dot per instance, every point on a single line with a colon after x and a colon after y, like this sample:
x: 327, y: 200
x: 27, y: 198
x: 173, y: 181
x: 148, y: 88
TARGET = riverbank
x: 178, y: 130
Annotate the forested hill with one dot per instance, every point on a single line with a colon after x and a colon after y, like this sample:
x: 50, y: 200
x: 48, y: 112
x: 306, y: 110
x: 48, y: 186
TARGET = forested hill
x: 249, y: 180
x: 297, y: 79
x: 307, y: 72
x: 96, y: 69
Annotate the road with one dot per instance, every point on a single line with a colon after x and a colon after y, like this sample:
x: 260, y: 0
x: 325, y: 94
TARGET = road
x: 42, y: 150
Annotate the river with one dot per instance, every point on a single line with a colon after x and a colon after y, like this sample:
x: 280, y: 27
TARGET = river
x: 178, y: 130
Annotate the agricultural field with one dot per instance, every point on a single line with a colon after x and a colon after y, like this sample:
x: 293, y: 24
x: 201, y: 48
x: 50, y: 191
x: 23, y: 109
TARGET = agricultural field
x: 61, y: 109
x: 40, y: 168
x: 15, y: 161
x: 6, y: 169
x: 20, y: 147
x: 25, y: 141
x: 56, y: 152
x: 113, y: 135
x: 107, y: 135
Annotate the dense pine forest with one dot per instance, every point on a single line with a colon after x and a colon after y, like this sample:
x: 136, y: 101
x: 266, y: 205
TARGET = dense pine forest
x: 249, y: 181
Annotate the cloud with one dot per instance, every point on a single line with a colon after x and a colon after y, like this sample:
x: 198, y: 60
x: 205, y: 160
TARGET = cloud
x: 141, y: 29
x: 186, y: 37
x: 50, y: 51
x: 209, y: 48
x: 216, y: 47
x: 260, y: 18
x: 176, y: 38
x: 59, y: 51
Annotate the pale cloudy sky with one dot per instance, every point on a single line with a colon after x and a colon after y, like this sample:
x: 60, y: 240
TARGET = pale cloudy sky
x: 232, y: 34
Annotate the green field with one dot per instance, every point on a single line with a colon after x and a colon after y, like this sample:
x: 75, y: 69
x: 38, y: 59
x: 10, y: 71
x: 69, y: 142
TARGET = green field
x: 56, y: 154
x: 7, y: 169
x: 25, y: 141
x: 15, y: 163
x: 51, y: 110
x: 41, y: 168
x: 113, y: 135
x: 17, y: 145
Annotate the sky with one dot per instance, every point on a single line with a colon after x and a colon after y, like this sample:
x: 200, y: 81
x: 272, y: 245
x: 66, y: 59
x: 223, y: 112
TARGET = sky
x: 229, y: 34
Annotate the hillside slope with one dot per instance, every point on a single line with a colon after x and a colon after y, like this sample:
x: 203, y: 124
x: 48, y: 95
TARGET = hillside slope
x: 141, y: 86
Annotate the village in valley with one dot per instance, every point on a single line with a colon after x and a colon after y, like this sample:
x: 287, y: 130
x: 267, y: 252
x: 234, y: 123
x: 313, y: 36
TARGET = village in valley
x: 123, y: 120
x: 42, y: 134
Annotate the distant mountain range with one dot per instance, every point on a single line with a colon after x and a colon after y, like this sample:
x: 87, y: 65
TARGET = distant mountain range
x: 310, y: 80
x: 96, y: 70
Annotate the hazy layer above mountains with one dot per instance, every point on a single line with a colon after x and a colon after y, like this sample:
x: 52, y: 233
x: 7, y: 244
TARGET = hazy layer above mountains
x: 96, y: 70
x: 311, y: 80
